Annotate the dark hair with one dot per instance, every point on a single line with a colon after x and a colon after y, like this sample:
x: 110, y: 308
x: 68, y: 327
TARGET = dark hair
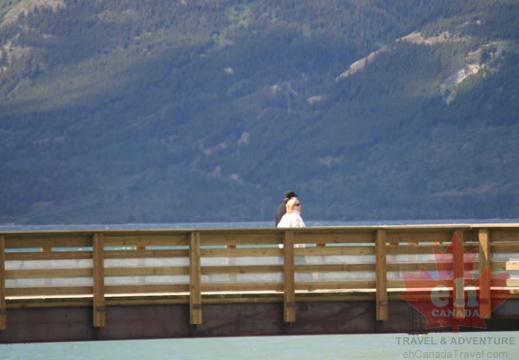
x: 290, y: 194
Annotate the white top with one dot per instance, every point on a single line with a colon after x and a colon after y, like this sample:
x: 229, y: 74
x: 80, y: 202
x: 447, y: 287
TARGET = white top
x: 292, y: 220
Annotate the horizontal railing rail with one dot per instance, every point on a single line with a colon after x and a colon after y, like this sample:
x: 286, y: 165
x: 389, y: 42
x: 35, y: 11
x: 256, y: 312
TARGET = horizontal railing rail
x: 106, y: 266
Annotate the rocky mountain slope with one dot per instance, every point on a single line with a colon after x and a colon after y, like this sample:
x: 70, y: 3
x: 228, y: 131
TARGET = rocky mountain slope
x: 208, y: 110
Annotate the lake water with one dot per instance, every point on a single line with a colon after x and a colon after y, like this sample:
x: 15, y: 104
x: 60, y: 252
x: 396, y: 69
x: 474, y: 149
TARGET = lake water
x: 468, y: 345
x: 480, y: 345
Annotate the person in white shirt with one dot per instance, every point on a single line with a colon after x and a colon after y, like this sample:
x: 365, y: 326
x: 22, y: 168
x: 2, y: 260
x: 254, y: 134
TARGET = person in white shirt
x: 292, y: 218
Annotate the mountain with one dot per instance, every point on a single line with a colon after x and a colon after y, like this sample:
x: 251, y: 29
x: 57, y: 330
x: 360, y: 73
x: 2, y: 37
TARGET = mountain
x: 118, y: 111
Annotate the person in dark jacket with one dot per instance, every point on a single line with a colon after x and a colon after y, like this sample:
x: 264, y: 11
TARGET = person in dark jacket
x: 282, y: 209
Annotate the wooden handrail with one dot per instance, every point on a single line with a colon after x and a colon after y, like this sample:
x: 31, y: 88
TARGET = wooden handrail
x: 191, y: 264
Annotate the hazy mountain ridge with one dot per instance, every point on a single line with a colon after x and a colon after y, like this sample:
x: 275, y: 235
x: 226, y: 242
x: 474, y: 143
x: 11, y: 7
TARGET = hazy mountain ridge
x: 208, y: 110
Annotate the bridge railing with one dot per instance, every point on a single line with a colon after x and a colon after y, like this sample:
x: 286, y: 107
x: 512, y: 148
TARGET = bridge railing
x: 107, y: 267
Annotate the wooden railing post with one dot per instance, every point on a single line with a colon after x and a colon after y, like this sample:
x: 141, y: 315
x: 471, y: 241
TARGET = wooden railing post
x: 381, y: 276
x: 485, y: 295
x: 3, y: 309
x: 458, y: 275
x: 195, y: 280
x: 98, y: 277
x: 289, y: 308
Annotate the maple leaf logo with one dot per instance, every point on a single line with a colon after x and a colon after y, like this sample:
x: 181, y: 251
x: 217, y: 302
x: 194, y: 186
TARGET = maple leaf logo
x: 454, y: 296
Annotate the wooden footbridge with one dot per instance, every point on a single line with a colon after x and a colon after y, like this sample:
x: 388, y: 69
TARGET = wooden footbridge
x: 138, y: 284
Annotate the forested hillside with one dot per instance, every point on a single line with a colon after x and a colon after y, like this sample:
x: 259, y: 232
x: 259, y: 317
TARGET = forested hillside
x: 117, y: 111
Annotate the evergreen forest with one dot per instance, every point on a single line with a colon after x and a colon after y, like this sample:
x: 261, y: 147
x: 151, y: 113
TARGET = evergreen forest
x: 168, y: 111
